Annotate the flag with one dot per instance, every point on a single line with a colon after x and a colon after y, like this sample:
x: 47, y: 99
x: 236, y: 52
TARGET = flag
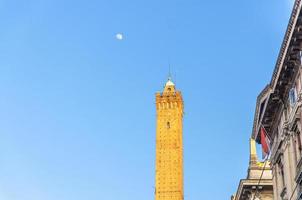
x: 265, y: 143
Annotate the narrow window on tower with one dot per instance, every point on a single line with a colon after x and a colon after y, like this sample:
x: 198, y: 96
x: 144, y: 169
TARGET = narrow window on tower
x: 168, y: 125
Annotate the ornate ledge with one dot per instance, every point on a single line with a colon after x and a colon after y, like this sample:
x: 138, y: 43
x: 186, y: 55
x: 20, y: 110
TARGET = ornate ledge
x: 286, y: 40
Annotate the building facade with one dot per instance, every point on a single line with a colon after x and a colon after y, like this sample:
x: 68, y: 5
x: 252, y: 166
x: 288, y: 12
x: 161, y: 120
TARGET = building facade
x: 258, y: 184
x: 278, y: 110
x: 169, y: 144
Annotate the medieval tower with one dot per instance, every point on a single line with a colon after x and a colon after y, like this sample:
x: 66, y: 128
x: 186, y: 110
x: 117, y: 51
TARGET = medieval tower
x: 169, y: 145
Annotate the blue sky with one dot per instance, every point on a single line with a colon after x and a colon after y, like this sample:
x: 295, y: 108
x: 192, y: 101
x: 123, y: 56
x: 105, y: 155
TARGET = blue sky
x: 77, y: 113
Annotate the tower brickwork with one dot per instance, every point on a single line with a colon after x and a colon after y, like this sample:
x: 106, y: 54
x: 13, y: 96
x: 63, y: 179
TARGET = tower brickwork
x: 169, y: 144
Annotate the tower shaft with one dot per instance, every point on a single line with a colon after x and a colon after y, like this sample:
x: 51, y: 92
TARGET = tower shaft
x: 169, y: 144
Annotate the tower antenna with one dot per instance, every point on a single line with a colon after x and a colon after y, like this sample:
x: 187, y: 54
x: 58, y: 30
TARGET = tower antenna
x: 169, y: 75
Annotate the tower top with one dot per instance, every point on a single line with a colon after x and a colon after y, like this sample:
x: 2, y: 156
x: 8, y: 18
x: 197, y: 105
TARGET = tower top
x: 169, y: 96
x: 169, y: 86
x: 169, y: 82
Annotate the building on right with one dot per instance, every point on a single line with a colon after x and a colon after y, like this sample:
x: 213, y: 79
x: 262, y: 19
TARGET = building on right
x: 278, y: 111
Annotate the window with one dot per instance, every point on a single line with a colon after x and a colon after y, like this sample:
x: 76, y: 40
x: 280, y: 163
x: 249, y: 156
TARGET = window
x: 168, y: 125
x: 292, y: 96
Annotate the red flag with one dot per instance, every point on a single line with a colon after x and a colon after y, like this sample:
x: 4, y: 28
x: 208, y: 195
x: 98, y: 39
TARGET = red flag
x: 265, y: 142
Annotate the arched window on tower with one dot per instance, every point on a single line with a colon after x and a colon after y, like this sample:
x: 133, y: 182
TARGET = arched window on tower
x: 168, y: 125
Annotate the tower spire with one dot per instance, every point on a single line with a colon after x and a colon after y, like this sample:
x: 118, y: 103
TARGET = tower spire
x: 169, y: 84
x: 169, y: 75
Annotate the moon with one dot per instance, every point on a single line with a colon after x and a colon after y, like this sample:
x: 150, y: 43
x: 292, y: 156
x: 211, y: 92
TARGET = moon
x: 119, y: 36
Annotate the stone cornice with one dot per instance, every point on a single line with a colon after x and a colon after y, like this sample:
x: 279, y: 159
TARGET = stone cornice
x: 286, y: 41
x: 284, y: 73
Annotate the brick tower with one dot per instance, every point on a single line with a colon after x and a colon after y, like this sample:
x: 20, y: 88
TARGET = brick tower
x: 169, y: 145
